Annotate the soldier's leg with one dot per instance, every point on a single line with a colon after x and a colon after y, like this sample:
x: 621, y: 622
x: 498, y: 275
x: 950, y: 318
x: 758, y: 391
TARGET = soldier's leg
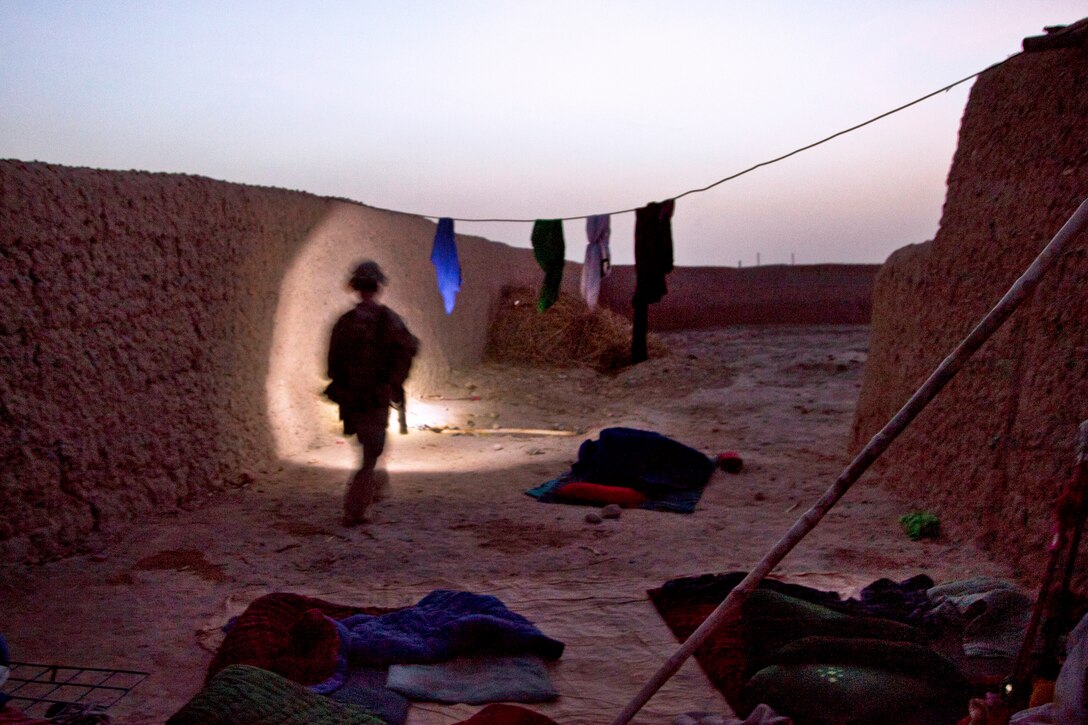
x: 381, y: 484
x: 361, y: 487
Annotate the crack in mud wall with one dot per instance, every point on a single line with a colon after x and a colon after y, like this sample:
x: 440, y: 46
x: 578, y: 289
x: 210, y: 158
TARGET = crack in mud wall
x: 989, y: 453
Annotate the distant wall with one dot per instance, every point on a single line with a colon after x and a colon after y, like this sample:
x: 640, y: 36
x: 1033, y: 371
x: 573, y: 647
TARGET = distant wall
x: 989, y: 453
x: 774, y: 294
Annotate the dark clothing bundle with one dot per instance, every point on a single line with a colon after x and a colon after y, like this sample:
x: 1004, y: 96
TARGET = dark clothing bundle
x: 370, y: 354
x: 549, y: 249
x: 653, y: 250
x: 653, y: 260
x: 643, y: 460
x: 632, y: 467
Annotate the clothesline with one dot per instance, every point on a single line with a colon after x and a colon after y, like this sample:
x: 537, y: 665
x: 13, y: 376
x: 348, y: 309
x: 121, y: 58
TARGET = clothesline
x: 730, y: 177
x: 653, y: 243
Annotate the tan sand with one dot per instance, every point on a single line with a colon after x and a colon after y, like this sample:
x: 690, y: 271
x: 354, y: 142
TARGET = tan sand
x: 458, y: 518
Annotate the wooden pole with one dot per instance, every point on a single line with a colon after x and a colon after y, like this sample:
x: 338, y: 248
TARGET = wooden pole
x: 1050, y: 599
x: 730, y: 608
x: 508, y: 432
x: 639, y: 326
x: 1081, y: 468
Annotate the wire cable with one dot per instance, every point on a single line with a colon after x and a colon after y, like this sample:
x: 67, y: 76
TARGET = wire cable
x: 738, y: 174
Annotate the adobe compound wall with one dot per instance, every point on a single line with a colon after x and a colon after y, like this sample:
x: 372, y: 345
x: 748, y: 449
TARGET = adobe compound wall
x: 988, y: 453
x: 703, y: 297
x: 163, y: 336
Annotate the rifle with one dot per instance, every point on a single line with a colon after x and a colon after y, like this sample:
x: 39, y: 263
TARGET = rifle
x: 400, y: 403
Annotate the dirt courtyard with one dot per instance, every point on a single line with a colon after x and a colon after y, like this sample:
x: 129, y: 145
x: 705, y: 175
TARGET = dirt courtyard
x: 154, y: 597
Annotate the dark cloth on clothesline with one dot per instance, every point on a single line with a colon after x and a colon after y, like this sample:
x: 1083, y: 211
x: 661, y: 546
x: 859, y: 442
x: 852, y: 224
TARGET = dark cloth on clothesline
x: 653, y: 250
x: 549, y: 250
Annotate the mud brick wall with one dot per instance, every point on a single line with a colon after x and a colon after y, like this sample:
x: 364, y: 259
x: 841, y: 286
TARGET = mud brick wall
x: 163, y: 336
x: 138, y: 317
x: 989, y: 453
x: 704, y: 297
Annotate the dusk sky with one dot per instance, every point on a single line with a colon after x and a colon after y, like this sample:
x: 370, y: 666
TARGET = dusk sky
x: 529, y: 110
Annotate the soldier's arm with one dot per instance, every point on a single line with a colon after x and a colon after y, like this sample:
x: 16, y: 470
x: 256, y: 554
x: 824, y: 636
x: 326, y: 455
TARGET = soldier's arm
x: 401, y: 337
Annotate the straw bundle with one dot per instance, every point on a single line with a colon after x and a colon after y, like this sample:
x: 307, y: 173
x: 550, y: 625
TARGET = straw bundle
x: 568, y: 334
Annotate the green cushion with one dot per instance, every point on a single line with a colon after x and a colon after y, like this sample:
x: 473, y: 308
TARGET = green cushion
x: 245, y: 695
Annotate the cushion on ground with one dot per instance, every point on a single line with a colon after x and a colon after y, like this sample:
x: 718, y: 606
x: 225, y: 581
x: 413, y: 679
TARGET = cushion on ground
x: 244, y: 695
x: 843, y: 694
x: 503, y: 714
x: 598, y: 494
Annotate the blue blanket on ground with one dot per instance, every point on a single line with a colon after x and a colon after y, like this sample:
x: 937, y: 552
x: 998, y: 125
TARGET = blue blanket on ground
x: 670, y: 474
x: 443, y: 625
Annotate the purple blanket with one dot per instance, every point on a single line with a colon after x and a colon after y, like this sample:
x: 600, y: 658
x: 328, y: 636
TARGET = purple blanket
x: 443, y: 625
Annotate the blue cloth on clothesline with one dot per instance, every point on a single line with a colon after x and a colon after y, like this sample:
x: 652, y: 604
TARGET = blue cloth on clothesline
x: 447, y: 267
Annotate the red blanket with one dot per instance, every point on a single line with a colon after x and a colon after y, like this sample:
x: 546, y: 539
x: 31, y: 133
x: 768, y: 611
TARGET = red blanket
x: 287, y: 634
x: 10, y: 716
x: 504, y: 714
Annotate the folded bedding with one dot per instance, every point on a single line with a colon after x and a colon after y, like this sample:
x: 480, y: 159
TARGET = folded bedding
x: 365, y: 687
x: 632, y: 467
x: 443, y: 625
x: 343, y: 652
x: 475, y: 680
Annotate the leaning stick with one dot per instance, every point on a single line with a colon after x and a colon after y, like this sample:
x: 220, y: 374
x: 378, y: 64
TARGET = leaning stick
x: 508, y: 431
x: 1061, y: 541
x: 730, y: 608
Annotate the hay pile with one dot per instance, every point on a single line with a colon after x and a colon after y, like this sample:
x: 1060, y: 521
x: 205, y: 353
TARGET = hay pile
x: 568, y: 334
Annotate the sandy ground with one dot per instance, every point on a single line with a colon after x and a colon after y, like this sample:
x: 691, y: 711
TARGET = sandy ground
x: 155, y: 597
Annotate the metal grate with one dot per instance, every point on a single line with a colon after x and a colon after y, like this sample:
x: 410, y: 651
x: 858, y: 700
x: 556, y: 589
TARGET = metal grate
x: 34, y: 688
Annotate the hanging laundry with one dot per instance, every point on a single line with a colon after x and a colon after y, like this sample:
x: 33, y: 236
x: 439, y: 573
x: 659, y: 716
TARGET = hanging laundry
x: 653, y: 260
x: 598, y: 259
x: 447, y: 267
x: 549, y: 250
x: 653, y: 250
